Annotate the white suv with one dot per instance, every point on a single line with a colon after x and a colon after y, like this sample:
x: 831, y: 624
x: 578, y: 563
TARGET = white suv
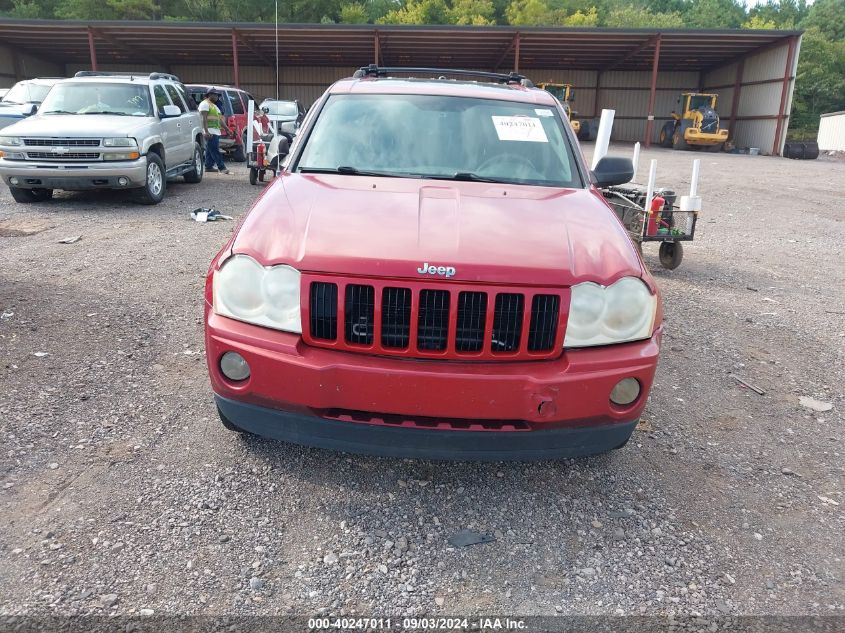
x: 105, y: 131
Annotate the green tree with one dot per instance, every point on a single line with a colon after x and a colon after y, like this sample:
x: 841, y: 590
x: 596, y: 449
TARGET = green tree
x: 828, y: 16
x: 637, y: 17
x: 759, y: 22
x: 715, y: 14
x: 418, y: 12
x: 820, y: 80
x: 784, y: 14
x: 135, y: 9
x: 476, y: 12
x: 355, y: 13
x: 84, y: 10
x: 590, y: 17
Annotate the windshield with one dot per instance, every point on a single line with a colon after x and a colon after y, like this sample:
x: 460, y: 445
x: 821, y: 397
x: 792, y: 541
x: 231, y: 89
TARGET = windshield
x: 446, y: 137
x: 124, y: 99
x: 26, y: 92
x: 700, y: 101
x: 281, y: 108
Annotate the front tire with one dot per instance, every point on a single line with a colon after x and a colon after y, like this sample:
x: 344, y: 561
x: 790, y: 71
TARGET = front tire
x: 195, y: 175
x: 153, y: 190
x: 666, y: 134
x: 30, y: 195
x: 678, y: 140
x: 253, y: 176
x: 239, y: 153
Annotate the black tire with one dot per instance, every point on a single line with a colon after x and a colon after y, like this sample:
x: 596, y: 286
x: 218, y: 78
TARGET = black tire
x: 666, y: 134
x: 30, y: 195
x: 226, y: 422
x: 671, y: 254
x: 195, y: 175
x: 253, y: 176
x: 678, y: 141
x: 156, y: 184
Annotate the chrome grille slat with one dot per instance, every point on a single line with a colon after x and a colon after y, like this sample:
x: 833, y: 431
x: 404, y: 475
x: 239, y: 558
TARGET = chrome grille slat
x: 61, y: 142
x: 65, y: 156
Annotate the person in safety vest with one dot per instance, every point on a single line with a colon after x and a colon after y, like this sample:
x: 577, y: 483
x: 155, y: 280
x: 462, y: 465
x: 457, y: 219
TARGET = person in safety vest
x: 212, y: 122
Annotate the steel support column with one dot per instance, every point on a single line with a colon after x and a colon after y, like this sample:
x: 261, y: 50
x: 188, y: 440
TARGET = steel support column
x: 597, y: 100
x: 740, y: 69
x: 92, y: 49
x: 784, y: 93
x: 516, y: 53
x: 649, y: 126
x: 376, y: 47
x: 235, y: 65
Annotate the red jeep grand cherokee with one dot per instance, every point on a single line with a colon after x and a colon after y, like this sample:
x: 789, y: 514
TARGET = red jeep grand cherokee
x: 434, y: 274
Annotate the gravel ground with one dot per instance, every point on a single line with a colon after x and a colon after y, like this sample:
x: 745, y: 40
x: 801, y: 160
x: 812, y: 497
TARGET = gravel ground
x: 120, y: 492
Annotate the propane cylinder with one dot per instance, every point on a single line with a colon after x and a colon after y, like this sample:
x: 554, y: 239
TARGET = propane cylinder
x: 654, y: 215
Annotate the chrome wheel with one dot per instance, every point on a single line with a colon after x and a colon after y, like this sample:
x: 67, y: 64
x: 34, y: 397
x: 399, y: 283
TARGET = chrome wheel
x: 199, y: 165
x: 155, y: 179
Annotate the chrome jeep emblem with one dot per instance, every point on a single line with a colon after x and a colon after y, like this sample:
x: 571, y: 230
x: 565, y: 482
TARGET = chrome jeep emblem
x: 442, y: 271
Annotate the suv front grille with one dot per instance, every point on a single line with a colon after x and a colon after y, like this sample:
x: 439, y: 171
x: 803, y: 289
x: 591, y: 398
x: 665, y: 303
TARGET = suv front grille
x: 61, y: 142
x: 65, y: 156
x: 435, y: 319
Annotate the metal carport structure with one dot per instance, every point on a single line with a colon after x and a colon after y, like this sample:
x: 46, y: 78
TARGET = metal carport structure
x: 638, y: 72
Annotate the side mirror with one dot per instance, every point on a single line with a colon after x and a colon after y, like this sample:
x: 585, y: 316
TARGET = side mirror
x: 265, y: 110
x: 289, y: 127
x: 284, y: 147
x: 613, y: 170
x: 170, y: 111
x: 33, y: 108
x: 572, y: 96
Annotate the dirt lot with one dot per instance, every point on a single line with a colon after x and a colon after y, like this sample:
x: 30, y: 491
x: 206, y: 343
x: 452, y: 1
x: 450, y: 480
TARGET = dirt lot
x: 121, y: 492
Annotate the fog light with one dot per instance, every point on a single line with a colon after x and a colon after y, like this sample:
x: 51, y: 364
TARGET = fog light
x: 234, y: 366
x: 122, y: 181
x: 14, y: 181
x: 625, y: 392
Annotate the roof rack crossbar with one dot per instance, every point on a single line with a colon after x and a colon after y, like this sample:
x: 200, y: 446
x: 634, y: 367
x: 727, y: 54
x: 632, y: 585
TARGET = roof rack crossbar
x: 382, y: 71
x: 124, y: 73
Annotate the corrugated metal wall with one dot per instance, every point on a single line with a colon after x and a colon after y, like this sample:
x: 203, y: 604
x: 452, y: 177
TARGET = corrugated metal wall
x: 759, y: 103
x: 832, y: 132
x: 28, y: 66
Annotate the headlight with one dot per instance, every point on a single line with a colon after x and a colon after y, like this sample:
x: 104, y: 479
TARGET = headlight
x: 619, y: 313
x: 119, y: 142
x: 11, y: 140
x: 247, y: 291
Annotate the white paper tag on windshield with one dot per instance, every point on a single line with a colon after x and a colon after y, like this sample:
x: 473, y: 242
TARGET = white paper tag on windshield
x: 520, y: 128
x: 543, y: 112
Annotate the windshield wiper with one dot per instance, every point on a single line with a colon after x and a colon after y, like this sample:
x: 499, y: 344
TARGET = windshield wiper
x: 346, y: 170
x: 58, y: 112
x: 107, y: 112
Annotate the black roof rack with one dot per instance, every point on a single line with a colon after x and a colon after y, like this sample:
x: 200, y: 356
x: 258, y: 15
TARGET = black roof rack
x: 102, y: 73
x: 503, y: 78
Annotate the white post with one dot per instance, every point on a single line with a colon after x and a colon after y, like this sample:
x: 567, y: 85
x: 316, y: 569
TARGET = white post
x: 250, y: 116
x: 636, y: 158
x: 652, y: 176
x: 603, y: 137
x: 692, y: 202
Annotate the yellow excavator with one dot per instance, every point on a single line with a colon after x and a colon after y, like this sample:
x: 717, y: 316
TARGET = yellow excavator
x: 565, y: 93
x: 698, y: 125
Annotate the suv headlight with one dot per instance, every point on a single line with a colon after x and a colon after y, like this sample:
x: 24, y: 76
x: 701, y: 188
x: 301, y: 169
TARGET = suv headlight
x: 621, y: 312
x: 11, y: 140
x: 268, y: 296
x: 119, y: 142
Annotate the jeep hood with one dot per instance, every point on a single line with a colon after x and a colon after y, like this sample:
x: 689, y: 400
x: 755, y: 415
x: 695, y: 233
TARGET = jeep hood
x: 77, y: 126
x: 390, y: 227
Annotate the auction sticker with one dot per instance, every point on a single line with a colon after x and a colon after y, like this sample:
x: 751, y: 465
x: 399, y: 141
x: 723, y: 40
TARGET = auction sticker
x: 520, y: 128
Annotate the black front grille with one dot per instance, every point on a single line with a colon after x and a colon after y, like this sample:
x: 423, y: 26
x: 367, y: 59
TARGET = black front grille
x: 472, y: 317
x: 543, y: 327
x: 62, y: 142
x: 433, y: 322
x: 324, y: 311
x: 507, y: 322
x: 65, y: 156
x: 396, y: 318
x: 360, y: 314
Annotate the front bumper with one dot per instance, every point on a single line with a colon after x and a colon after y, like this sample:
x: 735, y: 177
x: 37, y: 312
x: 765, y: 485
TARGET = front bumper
x: 291, y: 386
x: 693, y: 136
x: 74, y: 176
